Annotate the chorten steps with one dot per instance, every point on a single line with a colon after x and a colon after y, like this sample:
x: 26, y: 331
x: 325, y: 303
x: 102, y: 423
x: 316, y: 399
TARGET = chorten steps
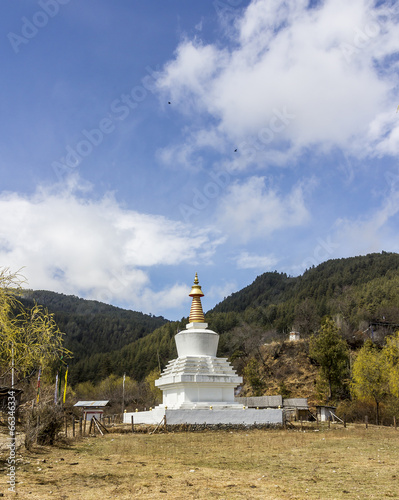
x: 193, y: 365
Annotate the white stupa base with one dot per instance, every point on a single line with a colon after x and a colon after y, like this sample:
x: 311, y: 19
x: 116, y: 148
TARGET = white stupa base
x: 198, y: 382
x: 228, y: 416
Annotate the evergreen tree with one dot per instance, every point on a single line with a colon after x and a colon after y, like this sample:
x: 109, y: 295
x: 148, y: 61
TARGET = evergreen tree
x: 330, y: 351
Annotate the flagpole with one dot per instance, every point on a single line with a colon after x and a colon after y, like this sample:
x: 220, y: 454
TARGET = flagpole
x: 123, y: 394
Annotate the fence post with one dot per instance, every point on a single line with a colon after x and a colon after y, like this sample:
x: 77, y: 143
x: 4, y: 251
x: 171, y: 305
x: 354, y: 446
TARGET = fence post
x: 344, y: 419
x: 66, y: 426
x: 73, y: 426
x: 80, y: 426
x: 132, y: 423
x: 366, y: 419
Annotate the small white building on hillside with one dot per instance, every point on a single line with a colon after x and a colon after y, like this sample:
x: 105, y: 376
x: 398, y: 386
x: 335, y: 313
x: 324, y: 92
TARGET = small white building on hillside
x: 294, y: 336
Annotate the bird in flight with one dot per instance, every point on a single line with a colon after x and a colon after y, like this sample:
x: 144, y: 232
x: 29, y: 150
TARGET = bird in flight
x: 235, y: 151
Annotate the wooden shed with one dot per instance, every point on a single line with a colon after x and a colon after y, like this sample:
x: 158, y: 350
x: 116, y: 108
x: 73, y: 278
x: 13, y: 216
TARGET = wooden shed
x: 296, y: 408
x: 92, y: 409
x: 325, y: 413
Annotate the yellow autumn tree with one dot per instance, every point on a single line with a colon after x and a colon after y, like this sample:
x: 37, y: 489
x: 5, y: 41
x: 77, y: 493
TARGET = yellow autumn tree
x: 154, y: 394
x: 29, y: 338
x: 370, y: 378
x: 391, y: 352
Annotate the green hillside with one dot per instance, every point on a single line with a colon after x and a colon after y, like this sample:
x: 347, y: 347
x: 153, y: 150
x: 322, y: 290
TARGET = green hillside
x: 357, y: 288
x: 360, y: 293
x: 93, y: 328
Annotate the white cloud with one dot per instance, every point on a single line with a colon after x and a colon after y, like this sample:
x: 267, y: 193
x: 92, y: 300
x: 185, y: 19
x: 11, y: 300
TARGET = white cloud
x: 220, y: 292
x: 186, y: 77
x: 179, y: 156
x: 374, y: 231
x: 167, y: 298
x: 251, y: 210
x: 251, y: 261
x: 95, y: 248
x: 186, y: 154
x: 383, y: 134
x: 321, y: 65
x: 369, y: 233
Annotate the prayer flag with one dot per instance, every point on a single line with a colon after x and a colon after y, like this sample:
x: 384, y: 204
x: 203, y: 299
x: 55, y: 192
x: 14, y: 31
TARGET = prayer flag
x: 56, y: 390
x: 38, y: 386
x: 59, y: 381
x: 65, y: 386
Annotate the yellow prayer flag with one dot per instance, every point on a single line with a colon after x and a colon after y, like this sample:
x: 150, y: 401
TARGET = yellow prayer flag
x: 65, y: 386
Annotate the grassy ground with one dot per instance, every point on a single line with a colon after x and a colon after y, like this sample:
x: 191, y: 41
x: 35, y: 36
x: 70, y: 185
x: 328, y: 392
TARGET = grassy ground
x: 334, y: 463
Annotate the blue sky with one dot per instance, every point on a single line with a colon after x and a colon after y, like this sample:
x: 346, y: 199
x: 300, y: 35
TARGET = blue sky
x: 142, y: 142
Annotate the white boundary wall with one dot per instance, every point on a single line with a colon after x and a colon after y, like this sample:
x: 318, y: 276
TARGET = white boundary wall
x: 248, y: 416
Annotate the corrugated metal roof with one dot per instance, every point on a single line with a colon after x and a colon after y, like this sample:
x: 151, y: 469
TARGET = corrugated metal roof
x: 91, y: 403
x: 296, y: 403
x: 261, y: 401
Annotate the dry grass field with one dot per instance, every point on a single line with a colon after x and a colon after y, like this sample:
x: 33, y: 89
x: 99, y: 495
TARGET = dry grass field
x: 335, y: 463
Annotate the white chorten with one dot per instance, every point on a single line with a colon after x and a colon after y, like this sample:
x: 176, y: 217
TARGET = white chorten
x: 197, y: 379
x: 198, y: 387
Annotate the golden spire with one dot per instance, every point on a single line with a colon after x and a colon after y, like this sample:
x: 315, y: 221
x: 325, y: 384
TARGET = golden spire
x: 196, y: 312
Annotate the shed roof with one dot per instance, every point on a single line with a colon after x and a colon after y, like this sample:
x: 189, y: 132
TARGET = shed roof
x: 262, y: 401
x: 93, y: 404
x: 300, y: 403
x: 5, y: 390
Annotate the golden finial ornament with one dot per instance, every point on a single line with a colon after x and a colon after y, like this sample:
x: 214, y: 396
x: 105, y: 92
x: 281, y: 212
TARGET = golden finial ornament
x: 196, y: 312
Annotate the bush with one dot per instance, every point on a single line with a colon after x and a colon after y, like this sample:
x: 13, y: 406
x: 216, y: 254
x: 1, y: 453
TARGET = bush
x: 357, y: 410
x: 42, y: 425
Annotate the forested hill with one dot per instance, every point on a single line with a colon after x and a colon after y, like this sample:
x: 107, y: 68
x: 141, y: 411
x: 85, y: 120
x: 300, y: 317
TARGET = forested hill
x: 327, y: 280
x: 357, y: 292
x: 93, y: 327
x: 360, y: 293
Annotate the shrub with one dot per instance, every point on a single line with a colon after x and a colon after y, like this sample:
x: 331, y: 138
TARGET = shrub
x: 42, y: 425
